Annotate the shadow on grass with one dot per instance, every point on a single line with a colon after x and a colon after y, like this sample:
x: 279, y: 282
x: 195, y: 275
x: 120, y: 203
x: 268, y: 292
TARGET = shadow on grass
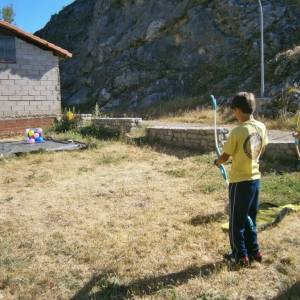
x: 279, y: 166
x: 156, y: 145
x: 267, y: 165
x: 205, y: 219
x: 293, y: 293
x: 91, y: 131
x: 100, y: 287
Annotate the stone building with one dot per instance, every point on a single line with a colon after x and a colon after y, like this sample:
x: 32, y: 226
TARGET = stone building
x: 29, y: 80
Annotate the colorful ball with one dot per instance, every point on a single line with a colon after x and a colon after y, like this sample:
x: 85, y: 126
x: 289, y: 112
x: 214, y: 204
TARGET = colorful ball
x: 39, y: 140
x: 30, y: 133
x: 36, y: 135
x: 31, y: 140
x: 39, y: 130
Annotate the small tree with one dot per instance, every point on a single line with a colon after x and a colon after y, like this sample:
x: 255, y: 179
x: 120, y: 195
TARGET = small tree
x: 8, y: 14
x: 96, y: 111
x: 286, y: 102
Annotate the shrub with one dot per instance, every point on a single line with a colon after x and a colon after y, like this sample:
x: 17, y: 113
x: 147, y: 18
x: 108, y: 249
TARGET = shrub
x: 69, y: 121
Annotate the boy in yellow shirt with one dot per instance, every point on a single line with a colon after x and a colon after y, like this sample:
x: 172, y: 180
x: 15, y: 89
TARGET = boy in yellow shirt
x: 245, y: 144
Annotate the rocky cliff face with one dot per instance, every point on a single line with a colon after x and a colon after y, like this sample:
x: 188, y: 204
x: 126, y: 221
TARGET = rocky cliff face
x: 129, y: 54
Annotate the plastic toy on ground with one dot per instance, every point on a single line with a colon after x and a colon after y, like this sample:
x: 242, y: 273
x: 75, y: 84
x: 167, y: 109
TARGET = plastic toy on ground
x: 34, y: 135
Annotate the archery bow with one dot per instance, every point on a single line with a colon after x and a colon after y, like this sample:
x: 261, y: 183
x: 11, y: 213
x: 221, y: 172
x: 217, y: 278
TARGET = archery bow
x: 297, y: 138
x: 218, y: 151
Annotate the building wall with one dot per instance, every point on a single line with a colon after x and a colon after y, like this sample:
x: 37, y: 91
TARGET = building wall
x: 17, y: 126
x: 31, y: 86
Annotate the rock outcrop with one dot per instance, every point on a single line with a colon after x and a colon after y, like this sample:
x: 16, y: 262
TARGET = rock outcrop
x: 129, y: 54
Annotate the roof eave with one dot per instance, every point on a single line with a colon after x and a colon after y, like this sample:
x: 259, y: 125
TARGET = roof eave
x: 36, y: 40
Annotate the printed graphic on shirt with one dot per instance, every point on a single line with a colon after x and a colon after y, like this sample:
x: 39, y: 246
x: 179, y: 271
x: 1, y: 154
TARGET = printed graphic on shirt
x: 253, y: 146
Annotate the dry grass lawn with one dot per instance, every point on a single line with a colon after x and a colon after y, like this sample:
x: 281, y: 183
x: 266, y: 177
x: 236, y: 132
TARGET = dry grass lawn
x: 225, y: 116
x: 116, y: 223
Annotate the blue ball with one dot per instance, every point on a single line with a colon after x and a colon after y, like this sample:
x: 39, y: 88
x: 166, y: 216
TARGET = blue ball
x: 39, y: 140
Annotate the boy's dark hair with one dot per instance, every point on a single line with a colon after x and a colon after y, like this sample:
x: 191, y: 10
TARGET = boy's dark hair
x: 245, y: 102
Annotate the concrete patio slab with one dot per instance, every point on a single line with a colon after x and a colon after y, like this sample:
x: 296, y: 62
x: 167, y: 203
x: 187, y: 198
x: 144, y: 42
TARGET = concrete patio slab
x: 8, y: 148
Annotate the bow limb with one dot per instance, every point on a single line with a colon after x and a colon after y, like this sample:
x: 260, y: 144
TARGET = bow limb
x: 297, y: 146
x: 218, y: 151
x: 224, y: 174
x: 297, y: 140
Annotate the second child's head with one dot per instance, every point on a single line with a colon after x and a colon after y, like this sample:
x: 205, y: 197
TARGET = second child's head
x: 243, y: 104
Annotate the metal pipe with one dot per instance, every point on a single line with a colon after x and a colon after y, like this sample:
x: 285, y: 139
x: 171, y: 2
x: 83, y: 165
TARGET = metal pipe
x: 262, y: 55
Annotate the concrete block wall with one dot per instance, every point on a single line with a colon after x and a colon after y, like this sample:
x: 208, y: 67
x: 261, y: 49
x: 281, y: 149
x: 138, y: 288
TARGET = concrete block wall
x: 123, y: 125
x: 197, y: 138
x: 31, y: 86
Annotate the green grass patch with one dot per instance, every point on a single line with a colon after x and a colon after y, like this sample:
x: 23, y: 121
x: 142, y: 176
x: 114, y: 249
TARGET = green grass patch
x: 208, y: 189
x: 84, y: 170
x: 111, y: 158
x: 281, y: 189
x: 90, y: 140
x: 176, y: 172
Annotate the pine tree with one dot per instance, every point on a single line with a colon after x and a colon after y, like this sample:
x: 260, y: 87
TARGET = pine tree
x: 8, y: 14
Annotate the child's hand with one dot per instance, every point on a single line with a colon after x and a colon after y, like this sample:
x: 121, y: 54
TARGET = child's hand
x: 221, y: 160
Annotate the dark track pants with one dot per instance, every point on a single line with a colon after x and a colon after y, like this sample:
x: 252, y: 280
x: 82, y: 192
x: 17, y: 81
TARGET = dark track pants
x: 243, y: 204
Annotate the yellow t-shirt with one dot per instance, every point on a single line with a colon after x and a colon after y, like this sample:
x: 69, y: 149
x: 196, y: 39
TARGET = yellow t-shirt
x: 245, y: 144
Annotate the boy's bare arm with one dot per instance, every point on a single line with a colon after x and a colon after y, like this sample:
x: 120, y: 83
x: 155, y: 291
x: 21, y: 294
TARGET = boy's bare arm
x: 222, y: 159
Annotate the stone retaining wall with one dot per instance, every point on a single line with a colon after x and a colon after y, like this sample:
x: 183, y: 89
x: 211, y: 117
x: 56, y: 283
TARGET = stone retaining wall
x: 120, y: 125
x: 197, y: 138
x: 280, y: 150
x: 202, y: 139
x: 85, y: 120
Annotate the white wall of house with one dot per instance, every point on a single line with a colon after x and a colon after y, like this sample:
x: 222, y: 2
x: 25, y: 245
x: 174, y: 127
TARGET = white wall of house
x: 31, y: 86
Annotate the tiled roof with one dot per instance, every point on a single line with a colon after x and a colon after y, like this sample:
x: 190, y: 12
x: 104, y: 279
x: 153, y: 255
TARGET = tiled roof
x: 35, y: 40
